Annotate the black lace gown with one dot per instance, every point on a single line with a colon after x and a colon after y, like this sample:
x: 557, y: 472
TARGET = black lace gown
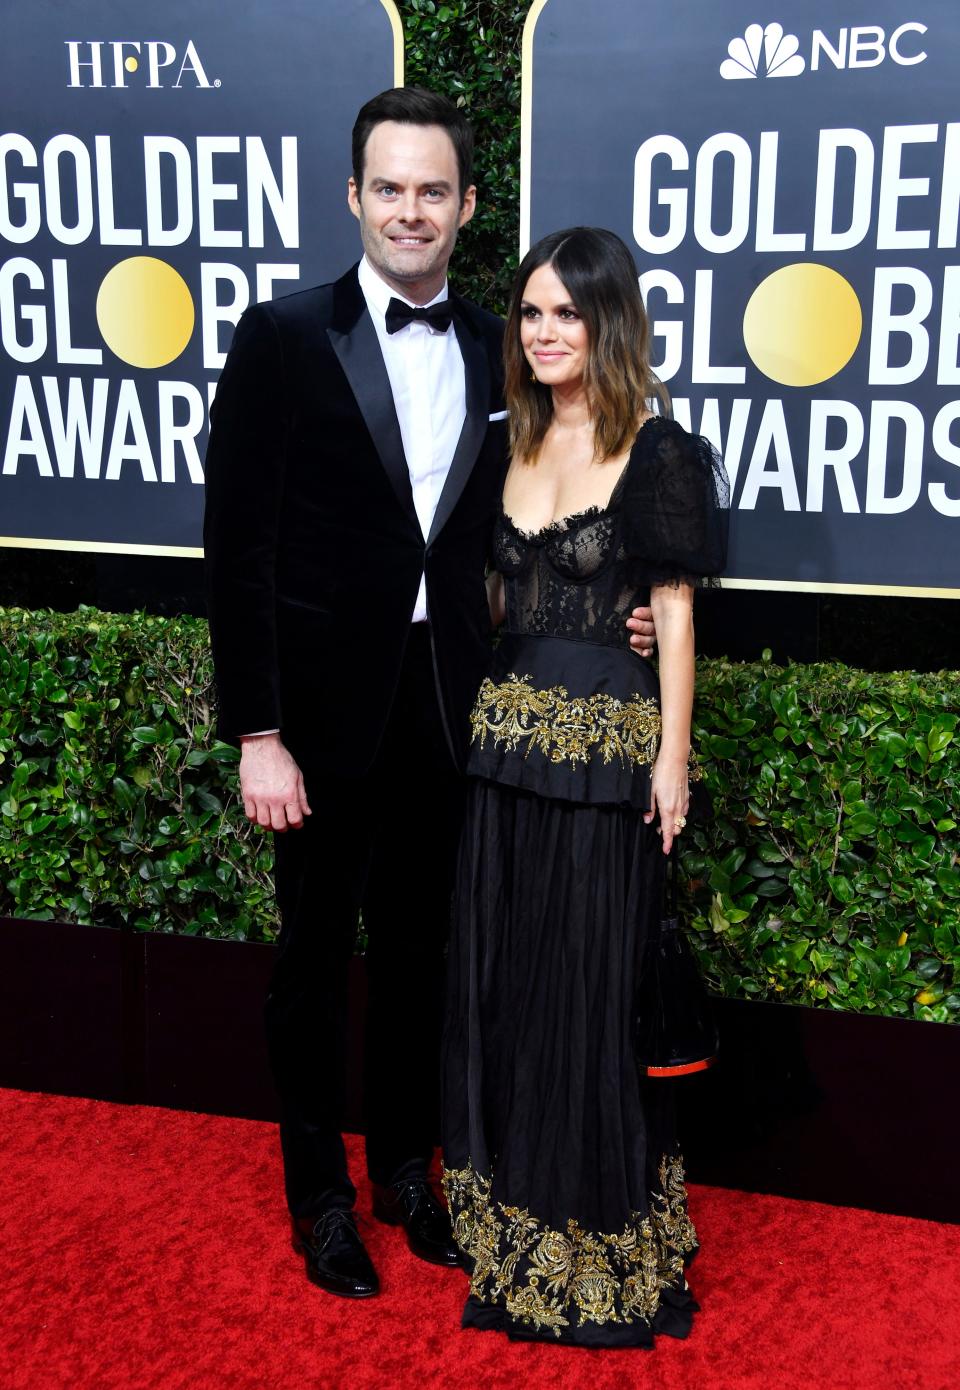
x: 562, y: 1175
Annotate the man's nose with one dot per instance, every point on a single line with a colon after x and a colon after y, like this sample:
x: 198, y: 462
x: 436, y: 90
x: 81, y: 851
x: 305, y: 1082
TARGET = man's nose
x: 408, y: 209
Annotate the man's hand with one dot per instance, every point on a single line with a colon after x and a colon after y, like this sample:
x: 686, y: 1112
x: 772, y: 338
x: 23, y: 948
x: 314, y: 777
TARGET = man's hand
x: 643, y: 636
x: 271, y: 784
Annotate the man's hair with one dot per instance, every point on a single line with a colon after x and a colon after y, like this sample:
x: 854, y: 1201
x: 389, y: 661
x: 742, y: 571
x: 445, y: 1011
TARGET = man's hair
x: 598, y: 273
x: 414, y: 106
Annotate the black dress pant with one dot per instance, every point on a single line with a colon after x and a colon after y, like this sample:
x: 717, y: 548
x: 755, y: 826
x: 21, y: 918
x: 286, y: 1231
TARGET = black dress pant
x: 382, y: 844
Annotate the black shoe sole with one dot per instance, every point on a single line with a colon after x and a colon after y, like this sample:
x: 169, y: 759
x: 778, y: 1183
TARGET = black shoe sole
x: 448, y: 1259
x: 319, y: 1282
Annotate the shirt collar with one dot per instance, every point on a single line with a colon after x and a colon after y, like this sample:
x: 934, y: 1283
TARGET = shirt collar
x: 378, y: 293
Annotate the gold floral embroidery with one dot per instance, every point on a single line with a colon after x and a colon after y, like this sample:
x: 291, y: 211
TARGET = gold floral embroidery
x: 567, y: 728
x: 549, y: 1278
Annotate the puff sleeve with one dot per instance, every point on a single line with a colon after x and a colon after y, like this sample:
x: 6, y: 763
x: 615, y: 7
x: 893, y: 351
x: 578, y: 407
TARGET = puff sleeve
x: 676, y: 507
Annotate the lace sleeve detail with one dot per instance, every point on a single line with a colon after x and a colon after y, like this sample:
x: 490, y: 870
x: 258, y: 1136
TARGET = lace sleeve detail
x: 676, y: 508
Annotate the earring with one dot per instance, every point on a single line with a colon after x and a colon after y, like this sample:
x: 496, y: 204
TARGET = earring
x: 533, y: 377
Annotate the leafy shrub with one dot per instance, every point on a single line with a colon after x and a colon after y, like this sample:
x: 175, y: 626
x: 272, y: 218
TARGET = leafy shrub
x: 828, y: 876
x: 117, y: 804
x: 830, y: 873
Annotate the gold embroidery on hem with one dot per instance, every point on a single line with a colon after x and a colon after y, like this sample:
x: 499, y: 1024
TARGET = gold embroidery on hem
x: 549, y: 1278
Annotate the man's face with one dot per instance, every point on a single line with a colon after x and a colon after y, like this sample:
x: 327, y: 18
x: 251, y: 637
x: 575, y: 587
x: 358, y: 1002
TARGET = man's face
x: 409, y: 207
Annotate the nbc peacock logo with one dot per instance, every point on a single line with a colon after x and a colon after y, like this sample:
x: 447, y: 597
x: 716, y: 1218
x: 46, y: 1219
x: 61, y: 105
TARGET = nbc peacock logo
x: 763, y: 51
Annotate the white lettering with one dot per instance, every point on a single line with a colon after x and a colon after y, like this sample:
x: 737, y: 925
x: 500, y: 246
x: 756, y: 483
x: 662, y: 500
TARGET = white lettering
x: 893, y: 187
x: 767, y: 238
x: 725, y: 142
x: 673, y: 199
x: 701, y: 369
x: 130, y: 417
x: 66, y: 352
x: 75, y: 432
x: 948, y: 367
x: 825, y: 238
x: 262, y: 187
x: 155, y: 146
x: 32, y: 444
x: 213, y: 313
x: 33, y: 315
x: 172, y: 434
x: 878, y: 457
x: 27, y: 193
x: 950, y: 453
x: 671, y: 331
x: 821, y: 44
x: 866, y: 39
x: 771, y: 434
x: 838, y: 459
x: 110, y: 234
x: 893, y: 45
x: 210, y: 193
x: 75, y: 150
x: 886, y: 323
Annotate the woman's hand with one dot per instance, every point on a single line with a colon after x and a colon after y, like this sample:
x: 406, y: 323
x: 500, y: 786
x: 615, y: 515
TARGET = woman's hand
x: 670, y: 797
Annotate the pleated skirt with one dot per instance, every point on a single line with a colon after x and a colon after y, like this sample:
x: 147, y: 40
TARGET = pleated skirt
x: 560, y: 1164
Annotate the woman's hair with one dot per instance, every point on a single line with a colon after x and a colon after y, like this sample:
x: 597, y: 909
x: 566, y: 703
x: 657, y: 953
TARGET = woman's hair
x: 599, y: 275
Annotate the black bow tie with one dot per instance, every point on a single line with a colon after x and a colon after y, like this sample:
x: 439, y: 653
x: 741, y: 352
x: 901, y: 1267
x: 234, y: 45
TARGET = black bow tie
x: 438, y: 316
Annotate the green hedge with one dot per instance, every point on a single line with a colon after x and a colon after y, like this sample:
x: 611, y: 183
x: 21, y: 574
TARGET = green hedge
x: 828, y: 876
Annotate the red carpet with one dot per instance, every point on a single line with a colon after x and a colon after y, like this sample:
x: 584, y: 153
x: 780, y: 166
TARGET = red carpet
x: 148, y: 1248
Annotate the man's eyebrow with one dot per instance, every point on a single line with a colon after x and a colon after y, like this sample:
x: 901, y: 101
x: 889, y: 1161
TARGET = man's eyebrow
x: 379, y: 180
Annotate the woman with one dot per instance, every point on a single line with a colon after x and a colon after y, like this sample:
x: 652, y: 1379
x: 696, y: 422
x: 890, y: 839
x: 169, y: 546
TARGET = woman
x: 565, y: 1188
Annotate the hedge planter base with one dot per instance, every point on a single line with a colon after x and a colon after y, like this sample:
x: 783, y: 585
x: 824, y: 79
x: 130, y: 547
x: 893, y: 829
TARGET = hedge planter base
x: 841, y: 1108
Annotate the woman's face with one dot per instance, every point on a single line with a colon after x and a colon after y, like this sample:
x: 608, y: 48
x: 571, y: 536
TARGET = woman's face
x: 552, y: 334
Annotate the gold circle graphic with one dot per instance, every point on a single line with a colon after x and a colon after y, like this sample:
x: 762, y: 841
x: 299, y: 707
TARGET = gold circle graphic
x: 130, y: 64
x: 145, y: 311
x: 802, y: 324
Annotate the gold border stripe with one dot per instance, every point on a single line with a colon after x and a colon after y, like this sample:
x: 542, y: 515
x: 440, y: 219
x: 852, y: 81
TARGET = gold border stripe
x: 815, y: 586
x: 396, y: 24
x: 190, y: 552
x: 526, y: 121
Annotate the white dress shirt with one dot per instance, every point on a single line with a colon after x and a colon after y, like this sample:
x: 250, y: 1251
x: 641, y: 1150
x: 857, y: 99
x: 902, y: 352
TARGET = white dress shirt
x: 426, y: 374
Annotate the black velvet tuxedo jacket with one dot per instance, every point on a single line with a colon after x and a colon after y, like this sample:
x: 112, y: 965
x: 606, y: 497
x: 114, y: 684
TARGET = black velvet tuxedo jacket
x: 313, y: 548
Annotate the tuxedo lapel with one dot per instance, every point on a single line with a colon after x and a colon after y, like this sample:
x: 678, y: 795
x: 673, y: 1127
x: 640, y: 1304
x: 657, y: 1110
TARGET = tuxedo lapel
x: 477, y: 381
x: 354, y: 340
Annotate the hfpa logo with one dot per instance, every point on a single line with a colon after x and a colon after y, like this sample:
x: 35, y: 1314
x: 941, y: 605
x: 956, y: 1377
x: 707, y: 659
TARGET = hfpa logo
x: 92, y: 63
x: 767, y: 51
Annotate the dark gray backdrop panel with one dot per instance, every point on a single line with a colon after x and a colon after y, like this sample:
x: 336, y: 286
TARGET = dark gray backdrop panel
x: 274, y: 68
x: 608, y: 76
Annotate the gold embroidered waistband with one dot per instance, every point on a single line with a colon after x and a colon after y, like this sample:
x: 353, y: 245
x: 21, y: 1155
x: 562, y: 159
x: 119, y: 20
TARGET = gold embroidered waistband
x: 566, y: 728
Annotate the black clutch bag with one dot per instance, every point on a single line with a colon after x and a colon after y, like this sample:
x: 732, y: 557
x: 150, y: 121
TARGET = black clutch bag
x: 675, y: 1029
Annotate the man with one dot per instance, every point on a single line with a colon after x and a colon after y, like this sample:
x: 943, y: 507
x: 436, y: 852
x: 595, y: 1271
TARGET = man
x: 355, y: 463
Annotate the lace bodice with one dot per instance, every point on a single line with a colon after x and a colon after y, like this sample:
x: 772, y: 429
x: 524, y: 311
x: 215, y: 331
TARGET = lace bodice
x: 665, y: 523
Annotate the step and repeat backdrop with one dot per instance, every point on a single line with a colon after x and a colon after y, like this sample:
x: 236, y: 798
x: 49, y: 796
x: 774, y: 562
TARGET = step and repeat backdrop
x: 789, y: 183
x: 161, y: 169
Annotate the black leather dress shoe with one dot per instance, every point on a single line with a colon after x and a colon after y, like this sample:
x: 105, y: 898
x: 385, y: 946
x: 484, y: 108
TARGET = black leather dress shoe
x: 334, y: 1254
x: 412, y: 1205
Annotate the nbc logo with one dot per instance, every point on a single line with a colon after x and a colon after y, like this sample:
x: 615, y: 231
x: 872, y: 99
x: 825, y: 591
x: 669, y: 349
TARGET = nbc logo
x: 779, y: 51
x: 859, y: 46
